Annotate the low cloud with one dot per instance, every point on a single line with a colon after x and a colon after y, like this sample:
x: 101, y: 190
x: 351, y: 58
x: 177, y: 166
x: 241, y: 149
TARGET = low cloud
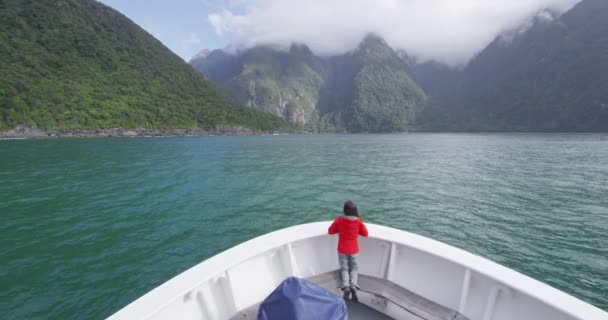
x: 449, y: 31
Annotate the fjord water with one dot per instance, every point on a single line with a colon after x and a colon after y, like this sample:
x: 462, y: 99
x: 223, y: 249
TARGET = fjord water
x: 89, y: 225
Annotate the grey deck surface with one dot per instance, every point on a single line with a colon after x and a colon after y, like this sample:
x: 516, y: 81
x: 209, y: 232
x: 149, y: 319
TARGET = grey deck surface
x: 358, y: 311
x: 415, y: 307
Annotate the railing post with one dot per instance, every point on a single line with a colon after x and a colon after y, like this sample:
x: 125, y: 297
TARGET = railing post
x: 295, y: 271
x: 496, y: 291
x: 203, y: 305
x: 392, y: 251
x: 464, y: 293
x: 228, y: 291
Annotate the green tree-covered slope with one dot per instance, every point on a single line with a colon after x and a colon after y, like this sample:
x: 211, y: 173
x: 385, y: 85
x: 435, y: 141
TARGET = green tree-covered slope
x: 385, y: 99
x: 81, y: 64
x: 364, y: 90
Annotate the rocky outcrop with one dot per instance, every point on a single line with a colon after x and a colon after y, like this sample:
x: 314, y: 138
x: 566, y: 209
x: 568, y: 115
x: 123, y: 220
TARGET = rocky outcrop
x: 25, y: 131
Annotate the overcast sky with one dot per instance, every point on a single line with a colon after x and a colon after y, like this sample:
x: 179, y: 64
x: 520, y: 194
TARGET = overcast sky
x: 450, y: 31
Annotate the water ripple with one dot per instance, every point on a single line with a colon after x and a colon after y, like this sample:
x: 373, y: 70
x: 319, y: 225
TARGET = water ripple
x: 88, y: 225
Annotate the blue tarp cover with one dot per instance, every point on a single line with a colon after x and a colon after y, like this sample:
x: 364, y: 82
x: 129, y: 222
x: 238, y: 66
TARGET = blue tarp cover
x: 298, y: 299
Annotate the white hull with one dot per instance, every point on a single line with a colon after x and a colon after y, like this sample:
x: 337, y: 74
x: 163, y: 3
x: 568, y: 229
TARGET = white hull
x: 406, y: 274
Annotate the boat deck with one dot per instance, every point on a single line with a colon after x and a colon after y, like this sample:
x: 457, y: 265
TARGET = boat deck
x: 358, y: 311
x: 402, y: 275
x: 377, y: 294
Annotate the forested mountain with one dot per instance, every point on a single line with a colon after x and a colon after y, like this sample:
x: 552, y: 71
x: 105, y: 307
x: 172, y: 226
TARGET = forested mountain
x: 549, y: 75
x: 552, y: 76
x: 81, y: 64
x: 366, y: 90
x: 285, y: 83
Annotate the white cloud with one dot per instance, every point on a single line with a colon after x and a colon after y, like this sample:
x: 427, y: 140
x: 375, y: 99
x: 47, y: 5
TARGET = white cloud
x: 227, y: 22
x: 451, y: 31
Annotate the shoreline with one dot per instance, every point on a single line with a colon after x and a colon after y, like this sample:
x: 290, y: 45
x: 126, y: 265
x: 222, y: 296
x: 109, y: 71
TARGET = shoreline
x: 26, y: 132
x: 23, y: 132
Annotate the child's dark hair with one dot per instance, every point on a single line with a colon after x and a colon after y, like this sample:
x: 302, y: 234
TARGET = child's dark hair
x: 350, y: 209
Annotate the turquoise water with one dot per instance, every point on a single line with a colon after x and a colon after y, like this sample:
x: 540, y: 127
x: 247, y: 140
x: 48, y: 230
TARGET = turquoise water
x: 88, y: 225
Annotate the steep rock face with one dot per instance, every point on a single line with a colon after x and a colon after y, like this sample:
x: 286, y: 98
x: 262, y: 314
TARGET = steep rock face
x: 552, y: 76
x: 81, y: 64
x: 283, y: 83
x: 364, y: 90
x: 370, y: 90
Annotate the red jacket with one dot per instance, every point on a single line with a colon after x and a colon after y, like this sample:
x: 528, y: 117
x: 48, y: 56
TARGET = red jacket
x: 348, y: 231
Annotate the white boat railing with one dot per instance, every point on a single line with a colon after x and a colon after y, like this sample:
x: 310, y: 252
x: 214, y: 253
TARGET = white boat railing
x: 241, y: 277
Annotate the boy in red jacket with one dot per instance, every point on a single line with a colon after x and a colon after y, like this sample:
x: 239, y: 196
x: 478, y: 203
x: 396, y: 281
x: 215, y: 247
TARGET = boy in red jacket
x: 349, y: 227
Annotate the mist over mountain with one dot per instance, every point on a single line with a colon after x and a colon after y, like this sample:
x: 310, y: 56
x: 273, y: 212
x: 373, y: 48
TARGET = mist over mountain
x: 548, y: 74
x: 553, y: 76
x: 367, y: 89
x: 448, y: 31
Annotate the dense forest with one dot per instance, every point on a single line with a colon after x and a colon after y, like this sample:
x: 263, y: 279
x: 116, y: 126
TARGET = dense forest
x: 81, y: 64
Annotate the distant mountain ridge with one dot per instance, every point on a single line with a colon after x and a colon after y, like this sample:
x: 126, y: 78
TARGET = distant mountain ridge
x: 74, y: 64
x: 553, y: 77
x: 550, y: 75
x: 364, y: 90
